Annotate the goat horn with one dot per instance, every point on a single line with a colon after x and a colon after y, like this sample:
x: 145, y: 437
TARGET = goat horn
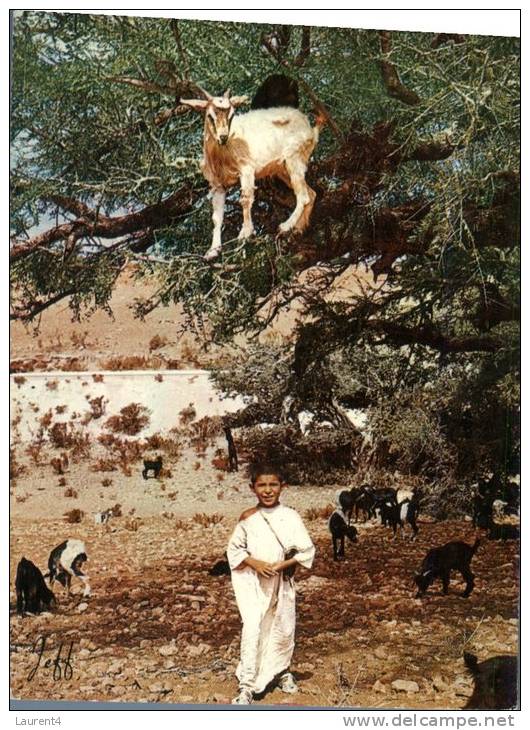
x: 207, y: 96
x: 226, y: 95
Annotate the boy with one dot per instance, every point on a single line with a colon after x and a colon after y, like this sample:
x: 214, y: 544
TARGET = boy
x: 266, y: 545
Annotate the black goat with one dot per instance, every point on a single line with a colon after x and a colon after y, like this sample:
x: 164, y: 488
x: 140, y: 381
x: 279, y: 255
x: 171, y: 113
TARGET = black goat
x: 276, y: 90
x: 396, y: 515
x: 154, y: 466
x: 440, y: 561
x: 339, y: 528
x: 346, y: 501
x: 503, y: 532
x: 482, y: 510
x: 33, y: 595
x: 221, y: 567
x: 495, y: 683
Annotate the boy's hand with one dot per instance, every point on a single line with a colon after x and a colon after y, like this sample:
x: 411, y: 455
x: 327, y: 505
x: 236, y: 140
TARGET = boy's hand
x: 266, y: 570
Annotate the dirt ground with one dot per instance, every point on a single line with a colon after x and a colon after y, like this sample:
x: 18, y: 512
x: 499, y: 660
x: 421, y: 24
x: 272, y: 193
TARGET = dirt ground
x: 159, y: 628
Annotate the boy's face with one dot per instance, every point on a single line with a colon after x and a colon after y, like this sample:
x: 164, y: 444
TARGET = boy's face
x: 267, y: 489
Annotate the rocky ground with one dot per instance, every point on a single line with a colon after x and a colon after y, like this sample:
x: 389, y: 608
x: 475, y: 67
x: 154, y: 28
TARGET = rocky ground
x: 159, y: 628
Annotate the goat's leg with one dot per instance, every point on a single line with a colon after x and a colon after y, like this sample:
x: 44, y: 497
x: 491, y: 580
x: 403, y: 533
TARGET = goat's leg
x: 335, y: 551
x: 445, y: 583
x: 468, y: 576
x: 297, y: 169
x: 218, y: 212
x: 246, y: 199
x: 341, y: 551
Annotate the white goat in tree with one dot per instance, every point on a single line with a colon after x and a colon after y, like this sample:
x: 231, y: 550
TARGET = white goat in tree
x: 261, y: 143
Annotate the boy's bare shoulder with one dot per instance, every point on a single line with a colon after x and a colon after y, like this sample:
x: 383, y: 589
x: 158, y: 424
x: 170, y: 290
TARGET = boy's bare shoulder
x: 247, y: 513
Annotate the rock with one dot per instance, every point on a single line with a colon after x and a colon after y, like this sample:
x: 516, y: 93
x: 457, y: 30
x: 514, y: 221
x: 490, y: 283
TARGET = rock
x: 115, y: 668
x: 168, y: 650
x: 82, y: 607
x: 405, y: 685
x: 379, y: 686
x: 381, y: 652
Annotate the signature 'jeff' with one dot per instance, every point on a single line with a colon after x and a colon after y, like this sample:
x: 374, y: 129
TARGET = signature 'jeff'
x: 61, y: 662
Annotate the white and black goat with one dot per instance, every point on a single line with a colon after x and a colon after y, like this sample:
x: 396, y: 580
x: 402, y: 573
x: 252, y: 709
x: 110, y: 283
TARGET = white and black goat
x: 274, y: 142
x: 440, y: 561
x: 155, y: 466
x: 340, y: 528
x: 33, y: 595
x: 66, y: 561
x: 396, y: 515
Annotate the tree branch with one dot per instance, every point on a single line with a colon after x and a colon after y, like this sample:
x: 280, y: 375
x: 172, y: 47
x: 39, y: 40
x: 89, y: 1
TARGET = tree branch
x: 395, y: 87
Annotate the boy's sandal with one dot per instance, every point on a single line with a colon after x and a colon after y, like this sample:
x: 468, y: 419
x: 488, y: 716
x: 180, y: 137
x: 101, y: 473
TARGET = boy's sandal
x: 287, y: 684
x: 243, y: 698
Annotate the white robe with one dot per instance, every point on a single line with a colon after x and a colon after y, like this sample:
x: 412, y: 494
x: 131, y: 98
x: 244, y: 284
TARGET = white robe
x: 266, y: 605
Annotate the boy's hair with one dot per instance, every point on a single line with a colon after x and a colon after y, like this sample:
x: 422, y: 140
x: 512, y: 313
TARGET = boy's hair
x: 265, y: 467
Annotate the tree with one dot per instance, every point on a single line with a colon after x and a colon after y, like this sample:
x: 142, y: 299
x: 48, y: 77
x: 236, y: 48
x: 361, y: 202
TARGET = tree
x: 417, y: 179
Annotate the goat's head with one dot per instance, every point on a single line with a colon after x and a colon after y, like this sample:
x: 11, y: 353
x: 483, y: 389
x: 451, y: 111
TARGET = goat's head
x: 219, y: 112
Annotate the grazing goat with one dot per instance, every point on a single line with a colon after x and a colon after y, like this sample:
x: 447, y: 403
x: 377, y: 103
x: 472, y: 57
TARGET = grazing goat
x: 33, y: 595
x: 340, y: 528
x: 482, y: 511
x: 397, y: 515
x: 495, y: 682
x: 276, y: 90
x: 503, y: 532
x: 154, y: 466
x: 440, y: 561
x: 221, y: 567
x: 261, y: 143
x: 65, y: 561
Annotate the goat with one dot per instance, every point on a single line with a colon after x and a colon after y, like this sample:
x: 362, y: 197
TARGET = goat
x: 340, y: 528
x: 276, y: 90
x: 221, y: 567
x: 65, y: 561
x: 154, y: 466
x: 440, y: 561
x: 345, y: 501
x: 482, y: 511
x: 503, y: 532
x: 495, y: 682
x: 102, y: 518
x: 261, y: 143
x: 396, y: 515
x: 33, y: 595
x: 365, y: 502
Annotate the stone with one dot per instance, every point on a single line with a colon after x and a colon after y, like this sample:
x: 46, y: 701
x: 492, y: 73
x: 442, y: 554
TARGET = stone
x: 82, y: 607
x: 379, y: 687
x: 405, y: 685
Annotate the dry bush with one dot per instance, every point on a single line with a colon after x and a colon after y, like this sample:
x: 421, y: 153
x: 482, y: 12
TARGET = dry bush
x: 97, y: 377
x: 197, y: 465
x: 159, y: 378
x: 103, y: 464
x: 21, y: 498
x: 34, y: 450
x: 166, y: 473
x: 62, y: 482
x: 205, y: 432
x: 132, y: 524
x: 60, y: 438
x: 173, y: 364
x: 201, y: 518
x: 220, y: 477
x: 116, y: 510
x: 79, y: 339
x: 172, y: 495
x: 221, y: 463
x: 97, y: 407
x: 190, y: 354
x: 133, y: 362
x: 74, y: 516
x: 60, y: 409
x: 72, y: 364
x: 182, y: 525
x: 131, y: 420
x: 318, y: 513
x: 15, y: 468
x: 57, y: 465
x: 106, y: 482
x: 156, y: 342
x: 187, y: 415
x: 70, y: 493
x: 46, y: 419
x: 19, y: 380
x: 52, y: 384
x: 172, y: 447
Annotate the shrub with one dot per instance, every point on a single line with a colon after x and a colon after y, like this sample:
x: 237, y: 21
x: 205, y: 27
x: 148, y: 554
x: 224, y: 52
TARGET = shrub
x: 70, y: 493
x: 187, y: 415
x: 104, y: 465
x: 15, y: 468
x: 74, y: 516
x: 156, y: 342
x: 131, y: 420
x: 97, y: 377
x: 52, y: 384
x: 201, y: 518
x: 19, y: 380
x: 106, y: 482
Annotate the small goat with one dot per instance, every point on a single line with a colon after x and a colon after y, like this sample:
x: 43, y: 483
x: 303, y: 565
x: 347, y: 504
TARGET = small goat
x: 397, y: 515
x: 503, y: 532
x: 440, y: 561
x: 33, y: 595
x: 154, y: 466
x: 495, y: 682
x: 65, y: 561
x: 345, y: 501
x: 221, y: 567
x: 261, y: 143
x: 340, y: 528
